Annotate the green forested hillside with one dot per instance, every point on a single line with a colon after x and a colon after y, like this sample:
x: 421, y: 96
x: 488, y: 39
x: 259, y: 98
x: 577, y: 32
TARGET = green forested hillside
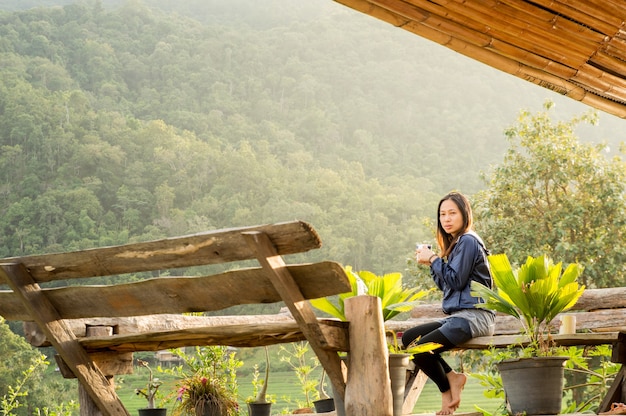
x: 132, y: 120
x: 125, y: 121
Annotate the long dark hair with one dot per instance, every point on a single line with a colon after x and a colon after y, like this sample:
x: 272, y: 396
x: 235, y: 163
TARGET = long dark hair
x: 445, y: 240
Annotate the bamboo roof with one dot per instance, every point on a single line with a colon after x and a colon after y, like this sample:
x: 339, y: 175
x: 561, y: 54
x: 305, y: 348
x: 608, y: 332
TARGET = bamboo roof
x: 576, y: 48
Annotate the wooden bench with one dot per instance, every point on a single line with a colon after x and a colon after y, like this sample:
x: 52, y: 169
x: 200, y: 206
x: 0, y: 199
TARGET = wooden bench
x: 121, y: 316
x: 600, y: 320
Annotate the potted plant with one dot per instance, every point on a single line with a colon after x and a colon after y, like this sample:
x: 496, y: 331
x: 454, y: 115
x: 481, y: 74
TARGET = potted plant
x: 150, y: 392
x: 399, y: 358
x: 259, y: 405
x: 325, y: 403
x: 394, y: 299
x: 535, y: 294
x: 207, y: 385
x: 296, y: 355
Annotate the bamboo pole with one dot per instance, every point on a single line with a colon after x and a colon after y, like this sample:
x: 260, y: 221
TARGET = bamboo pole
x: 482, y: 29
x: 592, y: 16
x: 505, y: 23
x: 615, y: 48
x: 610, y: 62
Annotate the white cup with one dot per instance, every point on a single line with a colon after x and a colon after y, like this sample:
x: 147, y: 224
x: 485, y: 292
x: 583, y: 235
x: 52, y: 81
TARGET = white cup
x: 568, y: 324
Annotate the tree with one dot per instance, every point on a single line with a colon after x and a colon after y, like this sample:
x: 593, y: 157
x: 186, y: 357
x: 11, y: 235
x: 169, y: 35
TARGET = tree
x: 557, y: 196
x: 25, y: 386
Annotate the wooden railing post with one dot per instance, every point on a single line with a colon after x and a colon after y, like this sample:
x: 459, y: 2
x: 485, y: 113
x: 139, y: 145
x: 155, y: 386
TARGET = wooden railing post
x: 368, y: 387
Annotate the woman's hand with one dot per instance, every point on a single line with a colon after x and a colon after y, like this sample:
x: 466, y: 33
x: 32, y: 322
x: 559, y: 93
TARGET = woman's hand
x: 424, y: 255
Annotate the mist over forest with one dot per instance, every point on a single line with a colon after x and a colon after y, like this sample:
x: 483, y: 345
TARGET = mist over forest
x: 127, y: 121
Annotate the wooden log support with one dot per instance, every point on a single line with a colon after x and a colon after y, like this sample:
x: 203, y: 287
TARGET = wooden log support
x: 368, y: 388
x: 616, y: 392
x: 300, y: 308
x: 60, y: 335
x: 414, y: 385
x: 110, y: 363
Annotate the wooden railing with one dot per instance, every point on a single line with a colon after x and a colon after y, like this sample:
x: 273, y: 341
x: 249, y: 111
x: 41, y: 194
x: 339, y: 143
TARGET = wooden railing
x: 95, y: 329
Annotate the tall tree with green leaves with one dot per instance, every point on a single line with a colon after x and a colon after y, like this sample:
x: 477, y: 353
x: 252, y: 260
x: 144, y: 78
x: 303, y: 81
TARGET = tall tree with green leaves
x: 555, y: 195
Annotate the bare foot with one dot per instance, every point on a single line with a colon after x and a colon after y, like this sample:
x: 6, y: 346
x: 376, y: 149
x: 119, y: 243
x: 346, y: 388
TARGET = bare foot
x: 457, y: 383
x: 447, y: 408
x: 451, y: 399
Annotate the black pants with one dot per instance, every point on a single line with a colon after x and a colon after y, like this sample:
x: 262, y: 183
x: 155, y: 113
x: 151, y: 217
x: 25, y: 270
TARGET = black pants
x: 432, y: 364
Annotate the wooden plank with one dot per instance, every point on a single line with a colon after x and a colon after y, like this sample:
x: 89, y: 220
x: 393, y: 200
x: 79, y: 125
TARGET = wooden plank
x: 607, y: 298
x: 242, y: 335
x: 212, y: 247
x: 502, y: 341
x: 601, y: 320
x: 182, y: 294
x: 598, y: 310
x: 152, y: 323
x: 591, y: 299
x: 288, y: 287
x: 42, y: 311
x: 249, y: 335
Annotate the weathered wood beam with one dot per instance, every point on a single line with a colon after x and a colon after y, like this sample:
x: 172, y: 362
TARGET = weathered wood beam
x: 110, y: 363
x: 182, y: 294
x: 302, y: 311
x: 63, y: 340
x: 212, y: 247
x: 567, y: 340
x: 434, y: 311
x: 133, y: 325
x: 598, y: 310
x: 244, y: 335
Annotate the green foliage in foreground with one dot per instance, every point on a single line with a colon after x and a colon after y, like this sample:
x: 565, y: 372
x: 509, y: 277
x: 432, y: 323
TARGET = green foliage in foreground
x: 589, y: 373
x: 395, y: 297
x: 588, y: 376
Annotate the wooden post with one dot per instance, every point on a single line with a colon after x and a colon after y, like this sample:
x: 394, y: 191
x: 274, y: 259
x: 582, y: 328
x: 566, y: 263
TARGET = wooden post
x: 87, y: 405
x: 300, y: 308
x: 414, y: 386
x: 60, y: 335
x: 368, y: 388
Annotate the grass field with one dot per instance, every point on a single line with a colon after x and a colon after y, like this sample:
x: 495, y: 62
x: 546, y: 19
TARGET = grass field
x: 286, y: 391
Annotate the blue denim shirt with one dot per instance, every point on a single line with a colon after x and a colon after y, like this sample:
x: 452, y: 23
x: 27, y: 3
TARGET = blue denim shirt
x: 466, y: 262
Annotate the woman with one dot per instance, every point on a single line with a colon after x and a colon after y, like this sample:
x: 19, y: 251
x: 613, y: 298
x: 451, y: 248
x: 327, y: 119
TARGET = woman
x: 463, y: 259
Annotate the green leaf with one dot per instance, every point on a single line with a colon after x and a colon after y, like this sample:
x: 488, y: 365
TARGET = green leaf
x: 535, y: 293
x: 388, y: 288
